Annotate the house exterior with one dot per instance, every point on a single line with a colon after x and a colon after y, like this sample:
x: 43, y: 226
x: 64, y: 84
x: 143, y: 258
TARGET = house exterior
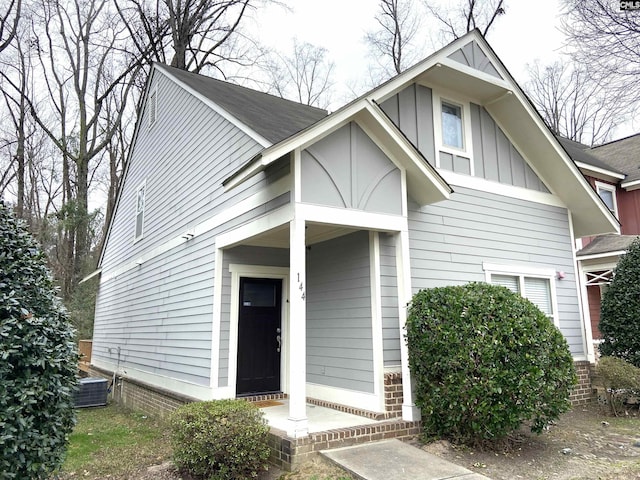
x: 612, y: 170
x: 262, y: 246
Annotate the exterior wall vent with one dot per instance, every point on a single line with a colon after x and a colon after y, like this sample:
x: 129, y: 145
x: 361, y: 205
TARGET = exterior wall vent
x: 92, y: 392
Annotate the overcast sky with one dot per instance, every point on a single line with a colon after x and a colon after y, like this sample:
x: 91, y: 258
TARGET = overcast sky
x: 528, y: 31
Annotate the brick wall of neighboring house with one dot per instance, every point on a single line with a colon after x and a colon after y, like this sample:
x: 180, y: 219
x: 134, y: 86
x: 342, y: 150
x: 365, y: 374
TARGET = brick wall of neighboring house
x: 584, y: 391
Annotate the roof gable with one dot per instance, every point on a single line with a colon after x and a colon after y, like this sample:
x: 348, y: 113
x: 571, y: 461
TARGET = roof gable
x: 472, y: 56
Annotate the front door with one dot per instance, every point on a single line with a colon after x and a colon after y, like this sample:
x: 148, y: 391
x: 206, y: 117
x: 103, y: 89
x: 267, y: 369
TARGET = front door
x: 259, y: 336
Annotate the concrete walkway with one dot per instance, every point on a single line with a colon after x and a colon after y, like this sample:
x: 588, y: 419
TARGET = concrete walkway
x: 395, y: 460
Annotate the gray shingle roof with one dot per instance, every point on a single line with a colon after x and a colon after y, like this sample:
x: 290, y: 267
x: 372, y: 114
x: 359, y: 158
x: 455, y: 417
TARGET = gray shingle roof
x: 272, y: 117
x: 623, y: 155
x: 607, y: 244
x: 580, y: 153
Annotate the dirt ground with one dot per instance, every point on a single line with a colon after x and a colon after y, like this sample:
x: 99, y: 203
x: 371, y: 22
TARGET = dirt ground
x: 585, y: 443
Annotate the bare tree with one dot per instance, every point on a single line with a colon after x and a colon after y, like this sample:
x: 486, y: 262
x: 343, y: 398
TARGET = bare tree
x: 9, y: 19
x: 81, y: 49
x: 466, y: 16
x: 391, y: 44
x: 574, y: 105
x: 605, y: 38
x: 304, y: 76
x: 188, y: 34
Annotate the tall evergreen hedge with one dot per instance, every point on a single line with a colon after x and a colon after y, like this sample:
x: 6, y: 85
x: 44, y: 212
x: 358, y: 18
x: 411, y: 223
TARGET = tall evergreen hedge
x: 620, y: 309
x: 38, y: 359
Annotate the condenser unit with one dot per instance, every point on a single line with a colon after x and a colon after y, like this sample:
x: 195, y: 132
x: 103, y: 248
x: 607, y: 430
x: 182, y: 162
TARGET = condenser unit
x: 92, y: 392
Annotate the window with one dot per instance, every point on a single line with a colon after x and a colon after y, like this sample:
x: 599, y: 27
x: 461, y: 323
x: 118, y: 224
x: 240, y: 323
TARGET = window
x: 140, y: 211
x: 153, y: 107
x: 607, y: 193
x: 537, y: 285
x: 452, y: 135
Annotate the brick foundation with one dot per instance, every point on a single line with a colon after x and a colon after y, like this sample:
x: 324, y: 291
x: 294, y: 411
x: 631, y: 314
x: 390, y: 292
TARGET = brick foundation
x: 288, y: 453
x: 393, y: 396
x: 583, y: 392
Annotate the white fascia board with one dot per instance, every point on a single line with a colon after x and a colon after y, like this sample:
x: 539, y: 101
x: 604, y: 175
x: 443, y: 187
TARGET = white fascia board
x: 600, y: 171
x: 91, y: 275
x: 415, y: 163
x: 216, y: 108
x: 634, y: 185
x: 596, y: 256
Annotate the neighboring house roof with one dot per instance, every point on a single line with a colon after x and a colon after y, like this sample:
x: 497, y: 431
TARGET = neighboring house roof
x: 580, y: 154
x: 607, y: 244
x: 272, y: 117
x: 624, y: 156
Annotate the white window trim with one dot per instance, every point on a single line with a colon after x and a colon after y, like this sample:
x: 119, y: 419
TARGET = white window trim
x: 522, y: 271
x: 152, y: 110
x: 610, y: 188
x: 137, y: 238
x: 467, y: 139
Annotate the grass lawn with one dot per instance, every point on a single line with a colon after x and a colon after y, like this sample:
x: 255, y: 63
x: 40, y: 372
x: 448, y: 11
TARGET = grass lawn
x: 112, y: 441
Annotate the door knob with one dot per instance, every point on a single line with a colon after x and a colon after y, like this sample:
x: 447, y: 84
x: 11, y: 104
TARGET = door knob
x: 279, y: 340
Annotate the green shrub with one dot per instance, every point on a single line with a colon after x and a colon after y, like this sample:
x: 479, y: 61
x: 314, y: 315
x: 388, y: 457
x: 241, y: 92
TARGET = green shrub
x: 619, y: 378
x: 220, y: 439
x: 620, y: 310
x: 38, y: 359
x: 485, y: 360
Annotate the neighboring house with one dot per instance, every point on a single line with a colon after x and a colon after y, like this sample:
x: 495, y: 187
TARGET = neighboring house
x: 260, y: 246
x: 613, y: 170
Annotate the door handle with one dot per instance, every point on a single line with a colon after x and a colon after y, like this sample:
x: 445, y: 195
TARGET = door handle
x: 279, y: 340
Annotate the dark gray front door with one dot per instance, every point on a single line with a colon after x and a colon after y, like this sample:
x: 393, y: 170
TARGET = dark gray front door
x: 259, y: 336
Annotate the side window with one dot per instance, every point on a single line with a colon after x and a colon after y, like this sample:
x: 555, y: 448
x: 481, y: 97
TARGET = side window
x: 152, y: 107
x: 140, y: 203
x: 607, y: 193
x: 536, y: 285
x: 452, y: 126
x: 452, y: 134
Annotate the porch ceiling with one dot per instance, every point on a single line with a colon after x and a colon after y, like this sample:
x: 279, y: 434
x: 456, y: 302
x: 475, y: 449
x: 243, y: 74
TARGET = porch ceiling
x: 315, y: 233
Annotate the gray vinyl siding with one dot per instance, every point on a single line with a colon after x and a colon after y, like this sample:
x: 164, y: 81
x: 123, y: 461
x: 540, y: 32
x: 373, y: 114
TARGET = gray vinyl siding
x: 389, y: 300
x: 347, y: 170
x: 244, y: 255
x: 339, y: 337
x: 449, y: 242
x: 495, y: 157
x: 160, y: 313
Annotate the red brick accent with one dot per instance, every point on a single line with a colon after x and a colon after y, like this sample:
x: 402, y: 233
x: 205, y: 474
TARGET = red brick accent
x: 583, y: 391
x: 393, y: 396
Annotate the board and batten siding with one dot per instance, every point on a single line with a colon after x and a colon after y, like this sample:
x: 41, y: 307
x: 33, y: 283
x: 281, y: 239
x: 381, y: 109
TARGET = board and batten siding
x: 495, y: 157
x: 348, y: 170
x: 160, y: 313
x: 339, y: 330
x: 450, y: 240
x: 243, y: 255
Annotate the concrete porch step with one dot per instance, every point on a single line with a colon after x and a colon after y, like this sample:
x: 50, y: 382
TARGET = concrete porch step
x: 395, y: 460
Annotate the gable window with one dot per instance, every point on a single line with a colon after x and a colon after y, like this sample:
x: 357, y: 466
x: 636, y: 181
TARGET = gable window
x: 153, y: 107
x: 607, y: 193
x: 140, y: 193
x: 452, y: 126
x: 536, y: 285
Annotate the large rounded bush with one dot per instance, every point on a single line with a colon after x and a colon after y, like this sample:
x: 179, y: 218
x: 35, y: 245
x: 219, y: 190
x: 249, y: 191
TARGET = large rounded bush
x: 620, y: 309
x: 485, y: 360
x: 220, y: 439
x: 38, y: 359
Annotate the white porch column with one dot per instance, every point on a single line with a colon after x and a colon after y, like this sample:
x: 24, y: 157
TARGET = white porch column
x: 410, y: 412
x: 298, y: 424
x: 583, y: 297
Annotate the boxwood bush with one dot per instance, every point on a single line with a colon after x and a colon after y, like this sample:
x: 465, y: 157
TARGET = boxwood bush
x: 220, y: 439
x: 485, y: 360
x: 620, y: 379
x: 38, y: 359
